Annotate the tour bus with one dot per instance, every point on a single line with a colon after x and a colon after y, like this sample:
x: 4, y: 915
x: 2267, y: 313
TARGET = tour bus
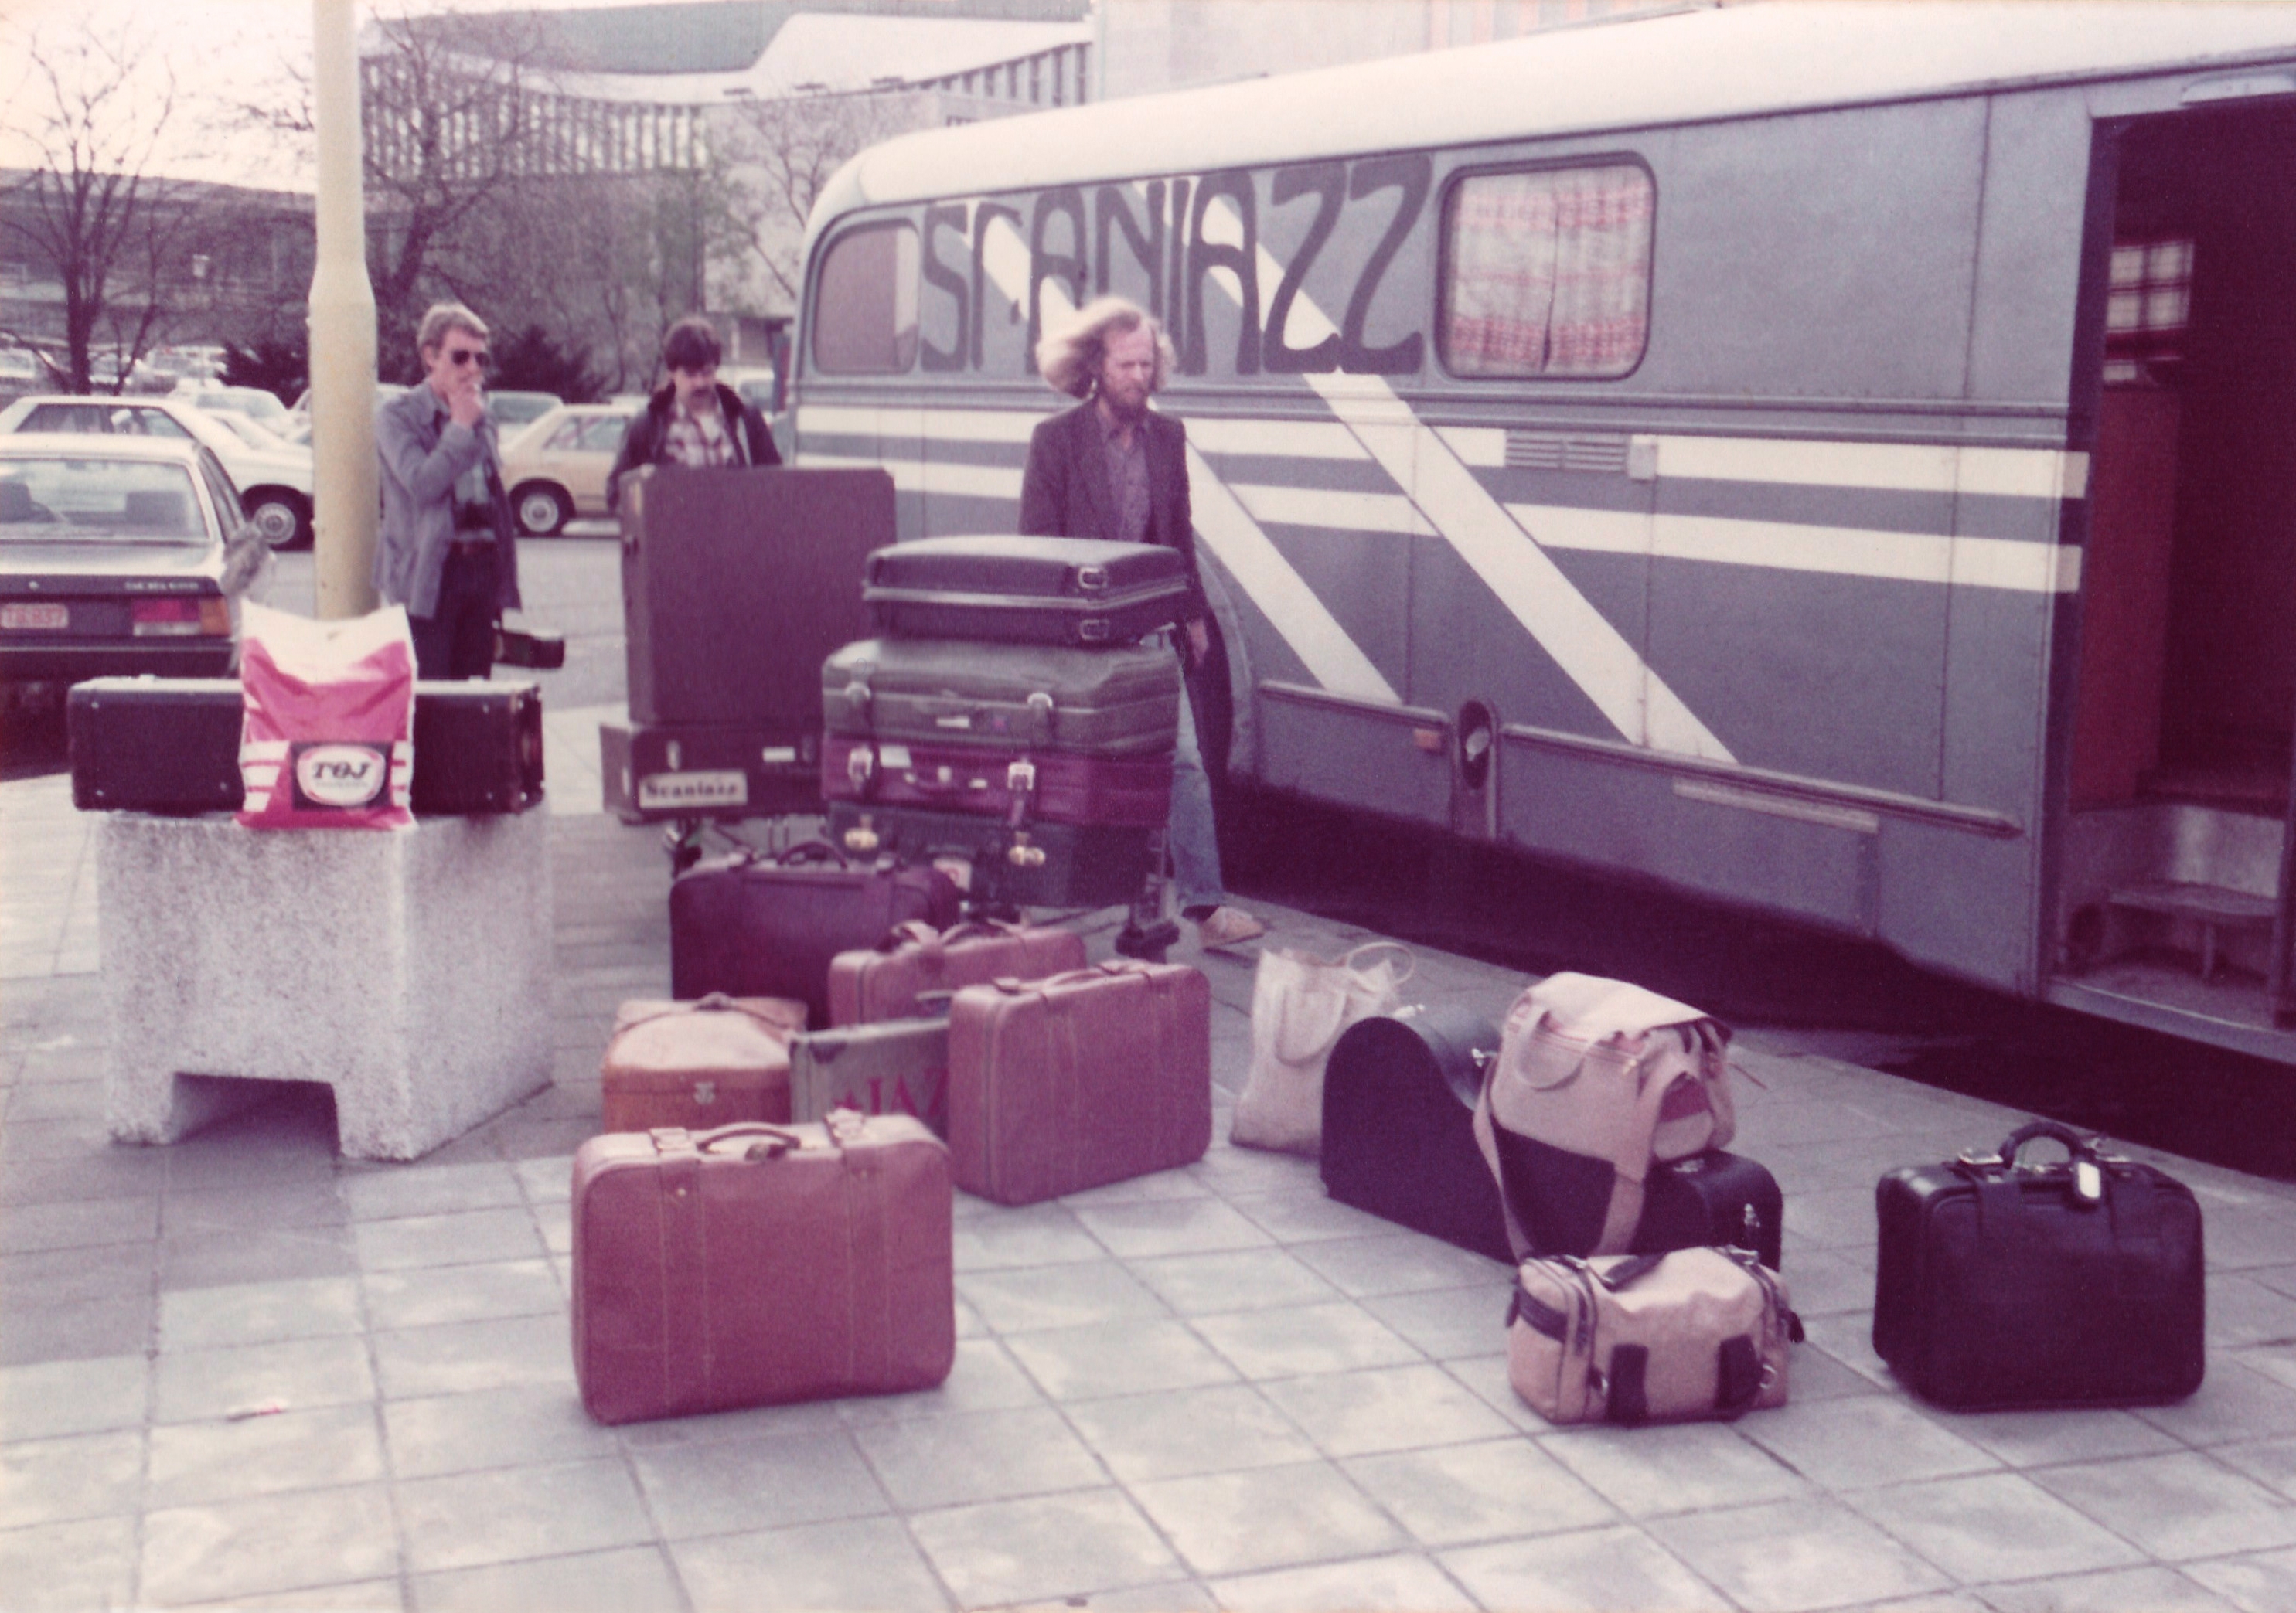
x: 1834, y: 459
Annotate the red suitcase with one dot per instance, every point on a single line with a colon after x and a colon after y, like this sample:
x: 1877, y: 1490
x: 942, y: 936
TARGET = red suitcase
x: 884, y: 981
x: 753, y: 1264
x: 698, y: 1064
x: 1083, y: 1080
x: 1020, y: 786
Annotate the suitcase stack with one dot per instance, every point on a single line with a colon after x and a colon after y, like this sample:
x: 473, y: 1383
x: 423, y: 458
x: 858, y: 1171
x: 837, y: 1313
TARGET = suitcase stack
x: 1009, y: 714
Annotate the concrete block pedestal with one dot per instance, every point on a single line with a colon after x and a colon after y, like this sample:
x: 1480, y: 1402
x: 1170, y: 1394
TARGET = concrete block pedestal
x: 410, y: 970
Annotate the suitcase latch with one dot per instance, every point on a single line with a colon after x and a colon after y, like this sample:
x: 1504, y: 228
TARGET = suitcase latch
x: 1022, y: 854
x: 860, y: 763
x: 1021, y: 777
x: 2088, y: 1182
x: 861, y: 838
x: 705, y: 1092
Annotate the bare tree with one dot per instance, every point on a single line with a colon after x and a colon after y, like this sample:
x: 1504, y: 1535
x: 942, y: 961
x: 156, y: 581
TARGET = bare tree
x: 94, y: 104
x: 773, y: 157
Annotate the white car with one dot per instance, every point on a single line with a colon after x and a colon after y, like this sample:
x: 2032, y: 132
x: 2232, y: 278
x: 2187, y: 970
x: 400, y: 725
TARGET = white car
x: 273, y: 475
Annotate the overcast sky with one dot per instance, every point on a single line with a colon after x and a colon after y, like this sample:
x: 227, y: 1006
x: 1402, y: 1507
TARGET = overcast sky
x: 220, y: 54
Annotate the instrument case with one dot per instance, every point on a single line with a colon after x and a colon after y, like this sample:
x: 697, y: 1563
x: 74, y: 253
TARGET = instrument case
x: 1082, y: 591
x: 171, y: 746
x: 754, y: 1264
x: 1085, y: 1078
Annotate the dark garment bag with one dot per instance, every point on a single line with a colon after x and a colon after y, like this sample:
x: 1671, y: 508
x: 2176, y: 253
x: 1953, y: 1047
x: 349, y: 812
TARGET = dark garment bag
x: 2003, y: 1284
x: 755, y: 926
x: 1399, y: 1125
x: 1026, y: 590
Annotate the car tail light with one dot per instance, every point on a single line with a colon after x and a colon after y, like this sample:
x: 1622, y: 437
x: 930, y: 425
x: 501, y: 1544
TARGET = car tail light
x: 209, y: 616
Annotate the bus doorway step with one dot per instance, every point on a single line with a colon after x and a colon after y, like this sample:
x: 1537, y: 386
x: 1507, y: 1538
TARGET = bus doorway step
x: 2215, y: 909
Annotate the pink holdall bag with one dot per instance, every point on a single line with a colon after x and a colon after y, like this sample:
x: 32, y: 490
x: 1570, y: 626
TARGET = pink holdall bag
x: 1595, y: 1080
x: 327, y: 740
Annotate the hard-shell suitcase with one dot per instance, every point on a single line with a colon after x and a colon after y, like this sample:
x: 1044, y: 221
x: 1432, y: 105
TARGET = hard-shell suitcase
x: 1045, y: 865
x: 751, y: 925
x: 171, y: 746
x: 890, y: 1067
x: 1083, y: 1080
x: 1020, y: 786
x: 884, y: 981
x: 1118, y: 702
x: 753, y: 1264
x: 720, y: 770
x: 1714, y: 1198
x: 2003, y: 1283
x: 1399, y: 1125
x: 698, y: 1065
x: 737, y: 583
x: 1026, y: 590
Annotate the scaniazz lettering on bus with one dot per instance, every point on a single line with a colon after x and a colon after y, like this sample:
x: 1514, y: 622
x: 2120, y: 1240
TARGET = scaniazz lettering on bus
x: 1149, y: 240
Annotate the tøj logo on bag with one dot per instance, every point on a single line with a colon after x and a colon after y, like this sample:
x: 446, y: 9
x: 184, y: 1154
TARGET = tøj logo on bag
x: 340, y: 774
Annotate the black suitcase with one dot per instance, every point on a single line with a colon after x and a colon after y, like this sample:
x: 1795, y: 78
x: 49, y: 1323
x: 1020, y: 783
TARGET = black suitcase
x: 1399, y: 1125
x: 723, y: 770
x: 751, y: 925
x: 1042, y: 864
x: 1713, y: 1198
x: 1119, y: 701
x: 2078, y: 1283
x: 738, y: 582
x: 1026, y: 590
x: 171, y: 746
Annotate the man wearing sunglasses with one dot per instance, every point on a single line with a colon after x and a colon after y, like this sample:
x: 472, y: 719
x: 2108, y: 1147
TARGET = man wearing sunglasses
x: 445, y: 551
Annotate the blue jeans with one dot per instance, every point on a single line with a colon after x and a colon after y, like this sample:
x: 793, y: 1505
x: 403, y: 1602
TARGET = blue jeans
x: 1190, y: 833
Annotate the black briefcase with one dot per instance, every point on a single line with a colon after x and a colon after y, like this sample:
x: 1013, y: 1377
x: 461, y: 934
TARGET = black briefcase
x: 2078, y: 1282
x: 1000, y: 589
x: 171, y: 746
x: 1037, y: 865
x: 1711, y: 1199
x: 1399, y: 1125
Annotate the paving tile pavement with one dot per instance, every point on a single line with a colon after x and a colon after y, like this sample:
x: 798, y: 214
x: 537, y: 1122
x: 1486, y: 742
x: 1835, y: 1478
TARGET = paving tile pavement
x: 242, y: 1372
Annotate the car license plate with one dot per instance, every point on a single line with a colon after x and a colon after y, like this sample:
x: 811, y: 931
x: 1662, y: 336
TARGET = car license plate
x: 36, y: 619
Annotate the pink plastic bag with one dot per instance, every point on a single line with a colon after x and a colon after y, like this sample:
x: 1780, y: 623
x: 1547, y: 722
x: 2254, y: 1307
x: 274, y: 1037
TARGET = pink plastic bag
x: 328, y: 738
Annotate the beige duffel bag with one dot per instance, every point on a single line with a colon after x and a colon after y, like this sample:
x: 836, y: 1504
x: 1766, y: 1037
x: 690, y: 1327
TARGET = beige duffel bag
x: 1686, y: 1336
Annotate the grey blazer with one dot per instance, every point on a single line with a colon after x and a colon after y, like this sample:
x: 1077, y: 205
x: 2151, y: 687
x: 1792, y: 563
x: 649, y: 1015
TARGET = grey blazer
x: 423, y: 452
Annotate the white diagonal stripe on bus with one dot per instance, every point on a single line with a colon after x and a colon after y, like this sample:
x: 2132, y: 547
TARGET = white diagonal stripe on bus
x: 1305, y: 623
x: 1388, y: 513
x: 1915, y: 557
x: 1592, y: 653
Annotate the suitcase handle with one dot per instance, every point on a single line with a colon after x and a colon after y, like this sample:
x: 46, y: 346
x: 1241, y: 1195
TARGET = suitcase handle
x: 811, y: 851
x: 1111, y: 969
x: 719, y: 1001
x: 2076, y: 1147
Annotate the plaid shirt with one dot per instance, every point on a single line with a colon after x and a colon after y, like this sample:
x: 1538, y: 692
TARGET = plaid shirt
x: 700, y: 442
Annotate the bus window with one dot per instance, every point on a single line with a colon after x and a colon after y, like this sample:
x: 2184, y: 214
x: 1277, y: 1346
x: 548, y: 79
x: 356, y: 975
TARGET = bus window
x: 1546, y: 272
x: 865, y: 306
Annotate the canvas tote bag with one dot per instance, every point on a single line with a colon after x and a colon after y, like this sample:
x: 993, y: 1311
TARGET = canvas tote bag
x: 1300, y: 1004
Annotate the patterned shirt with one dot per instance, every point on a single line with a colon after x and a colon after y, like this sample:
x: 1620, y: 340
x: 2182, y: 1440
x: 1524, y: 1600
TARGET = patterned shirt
x: 700, y: 442
x: 1128, y: 475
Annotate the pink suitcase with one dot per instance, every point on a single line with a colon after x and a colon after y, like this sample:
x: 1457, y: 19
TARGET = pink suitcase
x: 882, y: 982
x: 758, y: 1264
x: 1083, y: 1080
x: 711, y: 1062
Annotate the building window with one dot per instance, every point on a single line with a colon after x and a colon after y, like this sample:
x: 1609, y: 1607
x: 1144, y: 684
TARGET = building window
x: 2148, y: 306
x: 865, y: 303
x: 1546, y: 272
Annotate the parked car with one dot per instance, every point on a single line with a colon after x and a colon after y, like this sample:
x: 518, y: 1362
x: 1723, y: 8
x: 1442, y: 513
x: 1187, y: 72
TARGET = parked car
x: 556, y: 468
x: 514, y: 410
x: 165, y: 369
x: 21, y: 370
x: 296, y: 427
x: 119, y: 555
x: 260, y: 406
x: 274, y: 478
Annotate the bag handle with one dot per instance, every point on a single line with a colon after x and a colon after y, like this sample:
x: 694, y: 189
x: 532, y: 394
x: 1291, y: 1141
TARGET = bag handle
x: 1110, y: 969
x: 715, y: 1002
x: 811, y: 851
x: 1410, y: 959
x: 1297, y: 1043
x: 2077, y: 1146
x: 844, y: 1126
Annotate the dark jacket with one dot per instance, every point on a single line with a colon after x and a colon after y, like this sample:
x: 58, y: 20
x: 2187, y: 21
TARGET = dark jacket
x: 1065, y: 492
x: 647, y: 440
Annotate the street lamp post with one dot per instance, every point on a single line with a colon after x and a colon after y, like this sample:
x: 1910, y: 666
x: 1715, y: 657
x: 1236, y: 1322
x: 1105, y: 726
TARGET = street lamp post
x: 343, y: 472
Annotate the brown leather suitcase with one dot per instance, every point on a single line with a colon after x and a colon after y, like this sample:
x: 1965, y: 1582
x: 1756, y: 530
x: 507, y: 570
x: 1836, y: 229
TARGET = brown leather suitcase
x: 700, y: 1064
x: 754, y: 1264
x: 1085, y: 1078
x: 884, y: 981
